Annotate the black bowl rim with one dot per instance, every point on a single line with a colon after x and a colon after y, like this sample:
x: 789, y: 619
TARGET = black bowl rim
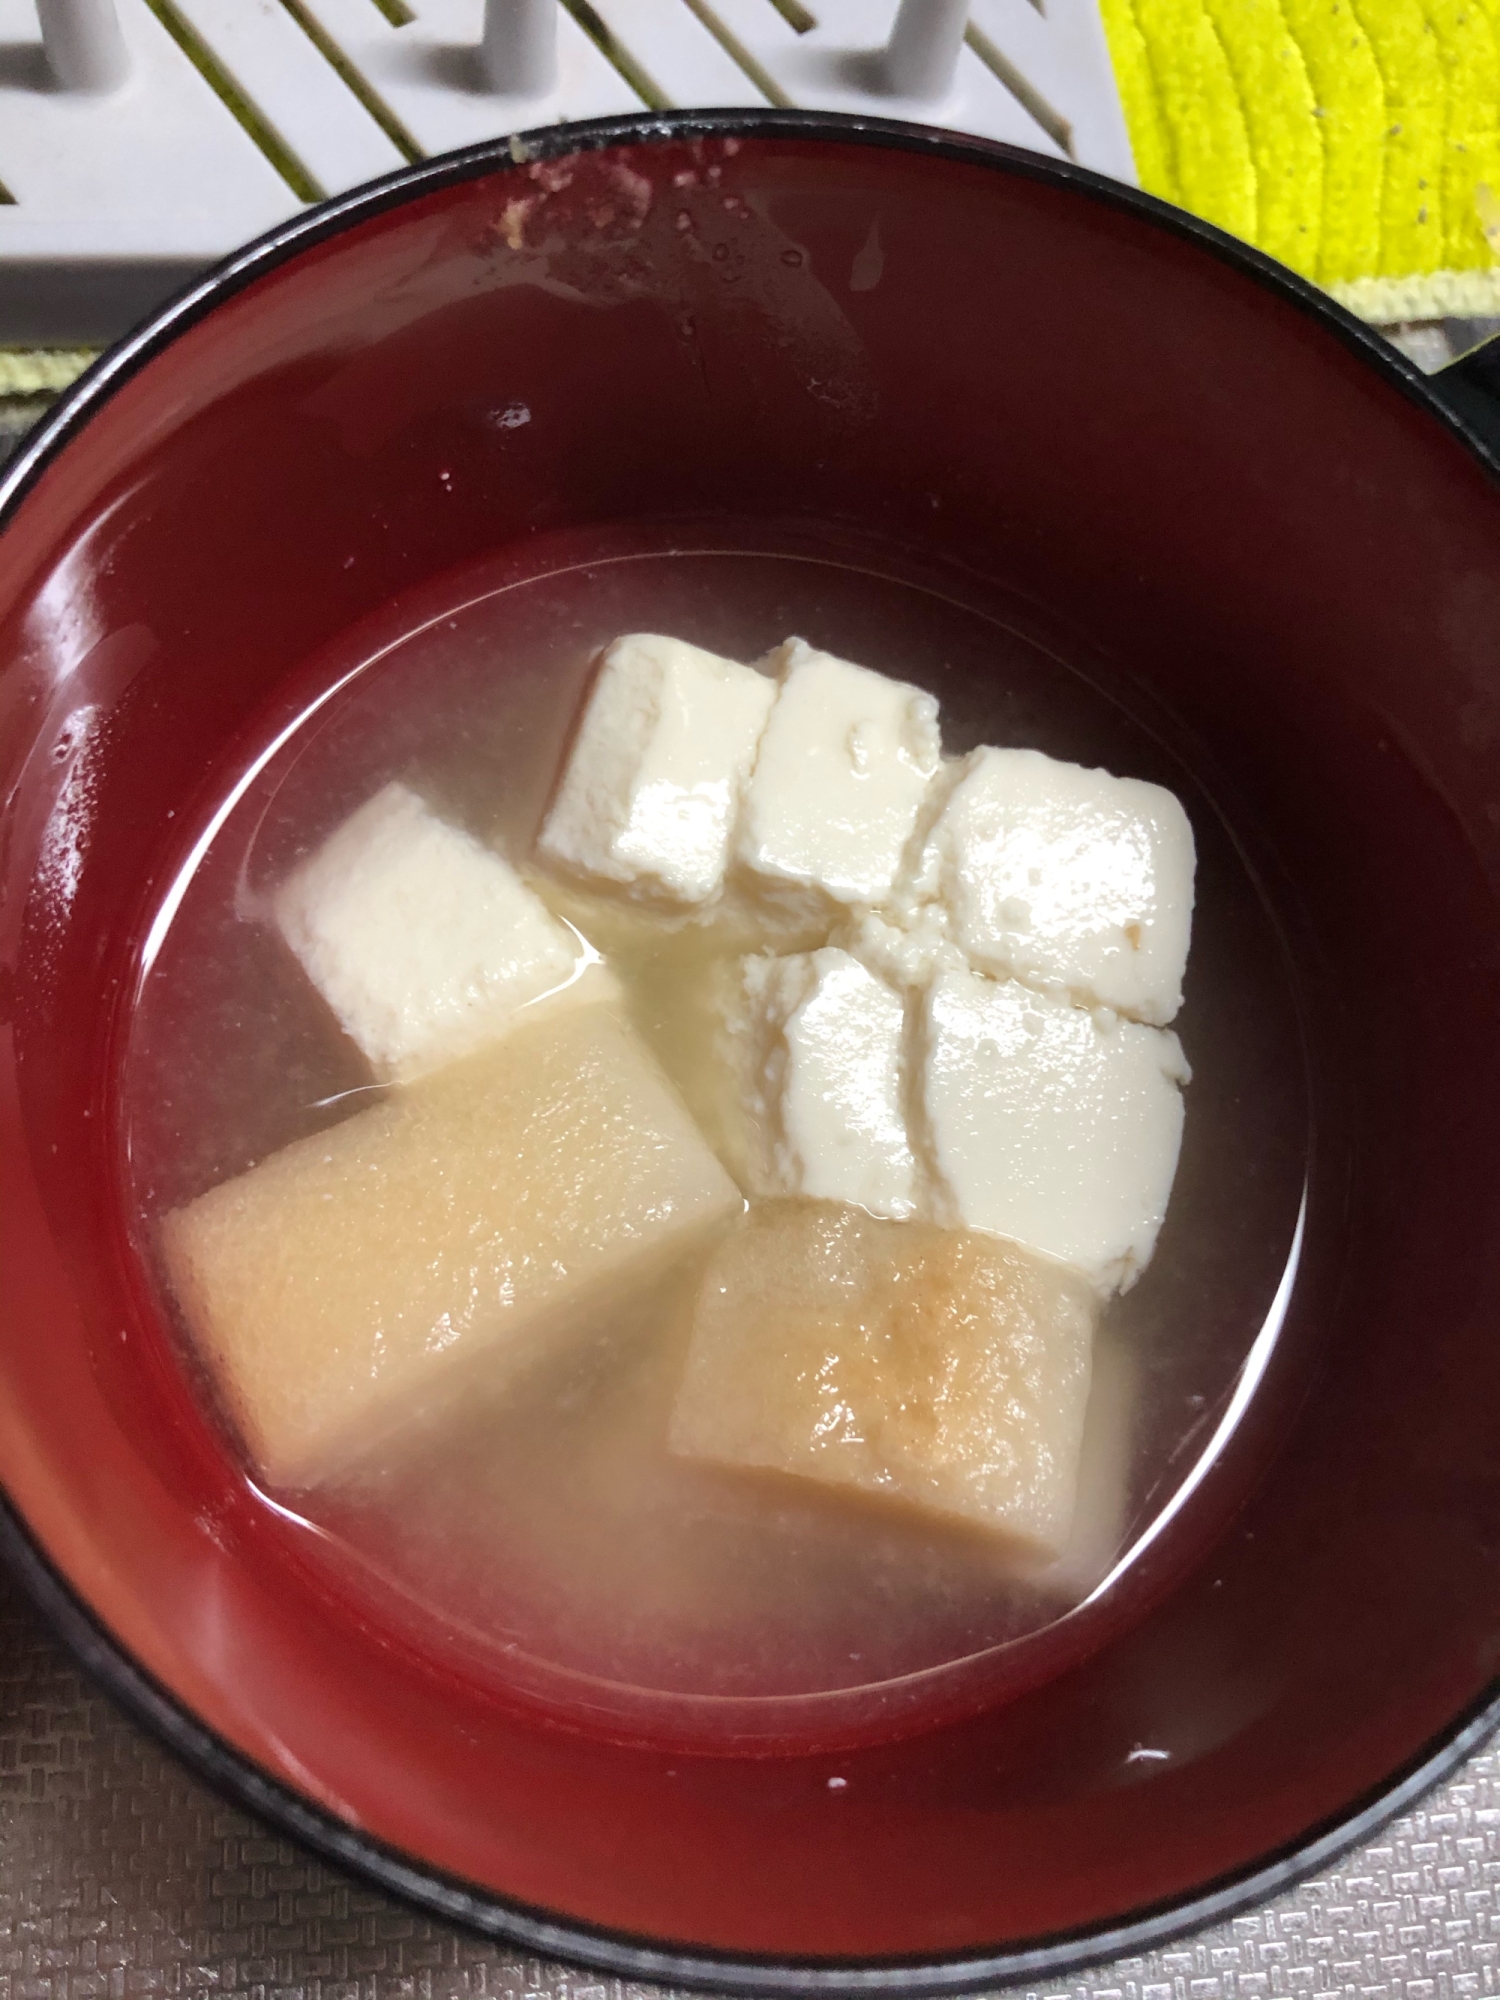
x: 239, y: 1776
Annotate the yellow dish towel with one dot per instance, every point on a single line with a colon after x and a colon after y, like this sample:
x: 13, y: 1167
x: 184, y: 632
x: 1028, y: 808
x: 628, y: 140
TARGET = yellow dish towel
x: 1356, y: 140
x: 41, y: 371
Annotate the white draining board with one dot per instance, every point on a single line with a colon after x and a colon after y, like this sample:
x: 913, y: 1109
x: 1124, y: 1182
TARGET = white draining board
x: 117, y: 199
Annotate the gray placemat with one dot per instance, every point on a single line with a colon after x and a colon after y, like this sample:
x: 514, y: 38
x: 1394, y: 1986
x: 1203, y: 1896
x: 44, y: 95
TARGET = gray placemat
x: 121, y: 1876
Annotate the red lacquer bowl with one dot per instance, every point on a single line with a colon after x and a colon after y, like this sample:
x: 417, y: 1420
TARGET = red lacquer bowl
x: 1002, y: 371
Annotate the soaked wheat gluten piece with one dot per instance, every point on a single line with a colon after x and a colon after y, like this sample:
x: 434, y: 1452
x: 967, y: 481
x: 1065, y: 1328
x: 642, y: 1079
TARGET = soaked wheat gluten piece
x: 464, y: 1222
x: 935, y: 1367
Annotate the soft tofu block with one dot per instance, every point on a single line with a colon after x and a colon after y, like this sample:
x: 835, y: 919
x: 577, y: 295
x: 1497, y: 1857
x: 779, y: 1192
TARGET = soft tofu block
x: 843, y: 769
x: 653, y: 783
x: 907, y: 948
x: 1070, y: 879
x: 341, y: 1285
x: 815, y: 1050
x: 1055, y: 1126
x: 423, y: 942
x: 934, y: 1367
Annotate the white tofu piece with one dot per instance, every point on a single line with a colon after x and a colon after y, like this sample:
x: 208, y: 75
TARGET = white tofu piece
x: 454, y: 1233
x: 653, y: 784
x: 844, y: 766
x: 1053, y: 1125
x: 933, y: 1368
x: 815, y: 1046
x: 907, y: 949
x: 1070, y: 879
x: 423, y: 942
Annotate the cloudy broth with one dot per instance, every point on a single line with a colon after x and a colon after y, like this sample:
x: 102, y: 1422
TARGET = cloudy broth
x: 548, y: 1526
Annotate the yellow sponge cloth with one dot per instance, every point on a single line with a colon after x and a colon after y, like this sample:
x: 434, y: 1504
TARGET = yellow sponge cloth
x: 1356, y: 140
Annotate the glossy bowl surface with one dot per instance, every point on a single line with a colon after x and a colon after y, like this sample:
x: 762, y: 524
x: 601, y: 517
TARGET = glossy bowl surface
x: 1003, y: 374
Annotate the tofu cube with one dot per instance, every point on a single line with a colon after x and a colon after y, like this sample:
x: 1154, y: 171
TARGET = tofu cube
x: 475, y: 1220
x: 815, y: 1051
x: 940, y: 1369
x: 423, y: 942
x: 653, y: 784
x: 1070, y: 879
x: 844, y: 766
x: 1049, y: 1124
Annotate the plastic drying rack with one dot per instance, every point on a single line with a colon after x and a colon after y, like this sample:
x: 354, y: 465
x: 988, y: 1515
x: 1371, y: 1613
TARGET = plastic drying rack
x: 140, y: 140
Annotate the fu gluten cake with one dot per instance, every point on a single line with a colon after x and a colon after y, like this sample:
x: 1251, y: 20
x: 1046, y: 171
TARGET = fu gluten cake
x: 464, y: 1221
x: 934, y: 1367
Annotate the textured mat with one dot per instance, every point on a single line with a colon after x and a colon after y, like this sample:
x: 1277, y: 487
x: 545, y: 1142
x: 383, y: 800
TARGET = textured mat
x: 1357, y: 140
x: 123, y: 1878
